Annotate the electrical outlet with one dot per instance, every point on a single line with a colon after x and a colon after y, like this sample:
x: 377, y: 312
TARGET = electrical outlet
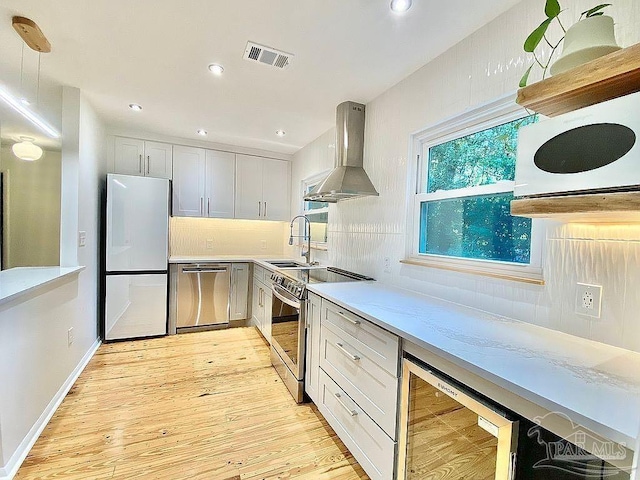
x: 588, y: 300
x: 70, y: 336
x: 387, y: 265
x: 263, y: 244
x: 82, y: 238
x: 209, y: 243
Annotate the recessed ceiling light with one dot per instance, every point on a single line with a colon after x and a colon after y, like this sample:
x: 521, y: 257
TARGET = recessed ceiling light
x: 216, y: 68
x: 281, y: 133
x: 135, y: 107
x: 400, y: 6
x: 202, y: 132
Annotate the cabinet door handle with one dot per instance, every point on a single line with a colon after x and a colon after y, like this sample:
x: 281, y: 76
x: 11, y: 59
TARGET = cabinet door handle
x: 148, y: 164
x: 353, y: 357
x: 140, y: 163
x: 351, y: 320
x: 265, y: 209
x: 259, y: 209
x: 201, y: 205
x: 208, y: 206
x: 351, y: 412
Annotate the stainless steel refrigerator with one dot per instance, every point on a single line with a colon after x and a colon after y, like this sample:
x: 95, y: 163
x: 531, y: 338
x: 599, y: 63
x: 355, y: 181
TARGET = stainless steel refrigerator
x: 136, y: 257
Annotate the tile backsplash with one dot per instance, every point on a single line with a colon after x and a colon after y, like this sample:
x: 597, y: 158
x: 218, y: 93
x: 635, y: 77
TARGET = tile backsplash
x: 486, y: 65
x: 219, y: 236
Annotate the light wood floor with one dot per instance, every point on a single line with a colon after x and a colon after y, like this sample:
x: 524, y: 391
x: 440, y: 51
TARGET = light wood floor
x: 203, y: 405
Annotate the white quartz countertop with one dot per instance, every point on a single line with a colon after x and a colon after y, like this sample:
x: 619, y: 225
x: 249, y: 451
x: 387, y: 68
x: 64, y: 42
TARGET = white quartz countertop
x: 19, y: 281
x: 226, y: 258
x: 559, y: 372
x: 261, y: 260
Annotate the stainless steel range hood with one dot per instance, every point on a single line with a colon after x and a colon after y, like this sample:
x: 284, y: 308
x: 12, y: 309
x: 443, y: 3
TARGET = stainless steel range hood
x: 348, y: 179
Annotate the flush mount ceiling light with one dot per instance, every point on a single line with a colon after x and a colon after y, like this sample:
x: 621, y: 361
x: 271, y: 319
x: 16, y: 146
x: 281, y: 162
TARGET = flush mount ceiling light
x: 281, y: 133
x: 202, y: 132
x: 135, y: 107
x: 400, y: 6
x: 26, y: 150
x: 216, y: 69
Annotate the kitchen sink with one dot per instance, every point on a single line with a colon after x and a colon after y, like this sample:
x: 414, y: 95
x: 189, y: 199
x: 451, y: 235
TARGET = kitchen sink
x: 286, y: 264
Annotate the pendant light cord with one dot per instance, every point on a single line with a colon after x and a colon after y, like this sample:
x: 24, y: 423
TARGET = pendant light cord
x: 22, y: 70
x: 38, y: 87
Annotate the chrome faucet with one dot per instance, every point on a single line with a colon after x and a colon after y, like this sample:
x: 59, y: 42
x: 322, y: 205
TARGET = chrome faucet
x: 306, y: 235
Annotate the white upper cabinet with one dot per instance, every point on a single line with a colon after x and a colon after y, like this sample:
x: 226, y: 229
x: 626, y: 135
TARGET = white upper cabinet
x: 220, y: 184
x: 275, y: 189
x: 262, y: 188
x: 128, y: 156
x: 159, y: 159
x: 142, y: 158
x: 248, y: 187
x: 203, y: 183
x: 189, y: 168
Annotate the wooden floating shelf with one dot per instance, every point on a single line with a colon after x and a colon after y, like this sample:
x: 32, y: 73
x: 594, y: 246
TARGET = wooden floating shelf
x: 620, y: 207
x: 602, y: 79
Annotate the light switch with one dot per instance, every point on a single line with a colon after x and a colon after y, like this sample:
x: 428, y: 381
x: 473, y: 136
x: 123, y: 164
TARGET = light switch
x: 82, y: 238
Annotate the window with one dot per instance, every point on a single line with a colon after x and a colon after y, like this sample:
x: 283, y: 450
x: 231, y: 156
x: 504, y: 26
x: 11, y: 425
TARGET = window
x: 316, y: 212
x: 464, y: 188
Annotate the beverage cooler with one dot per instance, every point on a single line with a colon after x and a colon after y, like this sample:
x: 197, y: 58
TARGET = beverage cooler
x: 447, y: 432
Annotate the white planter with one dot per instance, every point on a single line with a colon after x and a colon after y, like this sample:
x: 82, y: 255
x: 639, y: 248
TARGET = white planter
x: 584, y: 41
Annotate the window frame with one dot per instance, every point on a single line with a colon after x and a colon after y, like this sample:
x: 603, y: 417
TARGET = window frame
x: 312, y: 181
x: 492, y: 114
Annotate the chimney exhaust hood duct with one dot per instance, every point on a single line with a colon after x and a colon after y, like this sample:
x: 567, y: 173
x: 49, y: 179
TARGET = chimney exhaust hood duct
x: 348, y: 179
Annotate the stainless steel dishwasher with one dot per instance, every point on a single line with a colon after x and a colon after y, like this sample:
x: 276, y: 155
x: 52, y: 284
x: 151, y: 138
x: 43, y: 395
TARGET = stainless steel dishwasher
x: 202, y: 296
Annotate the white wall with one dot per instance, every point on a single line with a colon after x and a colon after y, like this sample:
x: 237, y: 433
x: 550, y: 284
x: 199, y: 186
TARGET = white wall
x: 485, y: 66
x: 35, y: 360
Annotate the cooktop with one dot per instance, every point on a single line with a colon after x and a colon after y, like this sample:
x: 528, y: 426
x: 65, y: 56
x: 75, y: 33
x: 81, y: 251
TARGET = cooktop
x: 294, y: 280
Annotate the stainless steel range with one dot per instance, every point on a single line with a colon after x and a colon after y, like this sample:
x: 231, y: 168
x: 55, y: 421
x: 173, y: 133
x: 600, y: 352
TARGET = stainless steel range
x: 289, y: 294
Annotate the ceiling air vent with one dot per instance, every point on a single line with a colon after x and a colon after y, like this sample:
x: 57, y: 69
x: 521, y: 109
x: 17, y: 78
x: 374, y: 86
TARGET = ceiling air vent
x: 267, y: 55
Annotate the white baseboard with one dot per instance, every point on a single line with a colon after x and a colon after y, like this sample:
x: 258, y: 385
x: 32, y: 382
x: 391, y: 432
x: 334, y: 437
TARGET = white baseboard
x: 11, y: 468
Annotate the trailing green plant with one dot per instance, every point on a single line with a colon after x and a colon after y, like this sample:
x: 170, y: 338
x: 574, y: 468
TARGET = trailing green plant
x: 552, y: 10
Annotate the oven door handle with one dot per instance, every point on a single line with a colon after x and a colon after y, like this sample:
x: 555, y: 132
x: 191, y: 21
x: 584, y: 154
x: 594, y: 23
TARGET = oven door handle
x: 288, y: 301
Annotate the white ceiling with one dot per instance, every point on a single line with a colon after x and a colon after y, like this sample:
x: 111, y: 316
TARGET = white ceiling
x: 156, y: 52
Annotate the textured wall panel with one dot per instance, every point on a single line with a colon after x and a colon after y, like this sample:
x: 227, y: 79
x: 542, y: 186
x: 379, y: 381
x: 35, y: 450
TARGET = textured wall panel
x: 486, y: 65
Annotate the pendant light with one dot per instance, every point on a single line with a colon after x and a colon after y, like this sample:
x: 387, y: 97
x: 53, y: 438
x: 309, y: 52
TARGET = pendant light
x: 27, y: 150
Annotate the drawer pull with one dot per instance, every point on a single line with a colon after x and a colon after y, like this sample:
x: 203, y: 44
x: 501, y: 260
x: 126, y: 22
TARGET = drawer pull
x: 353, y: 357
x: 351, y: 320
x: 353, y: 413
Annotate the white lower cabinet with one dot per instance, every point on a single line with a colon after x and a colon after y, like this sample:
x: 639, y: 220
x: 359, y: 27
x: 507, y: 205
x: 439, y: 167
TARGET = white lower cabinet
x: 261, y: 303
x: 312, y: 376
x: 372, y: 448
x: 352, y: 370
x: 346, y: 360
x: 239, y: 291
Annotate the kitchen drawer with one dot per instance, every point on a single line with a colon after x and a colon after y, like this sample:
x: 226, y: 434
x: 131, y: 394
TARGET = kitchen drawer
x: 261, y: 274
x: 366, y: 441
x: 381, y: 346
x: 352, y: 367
